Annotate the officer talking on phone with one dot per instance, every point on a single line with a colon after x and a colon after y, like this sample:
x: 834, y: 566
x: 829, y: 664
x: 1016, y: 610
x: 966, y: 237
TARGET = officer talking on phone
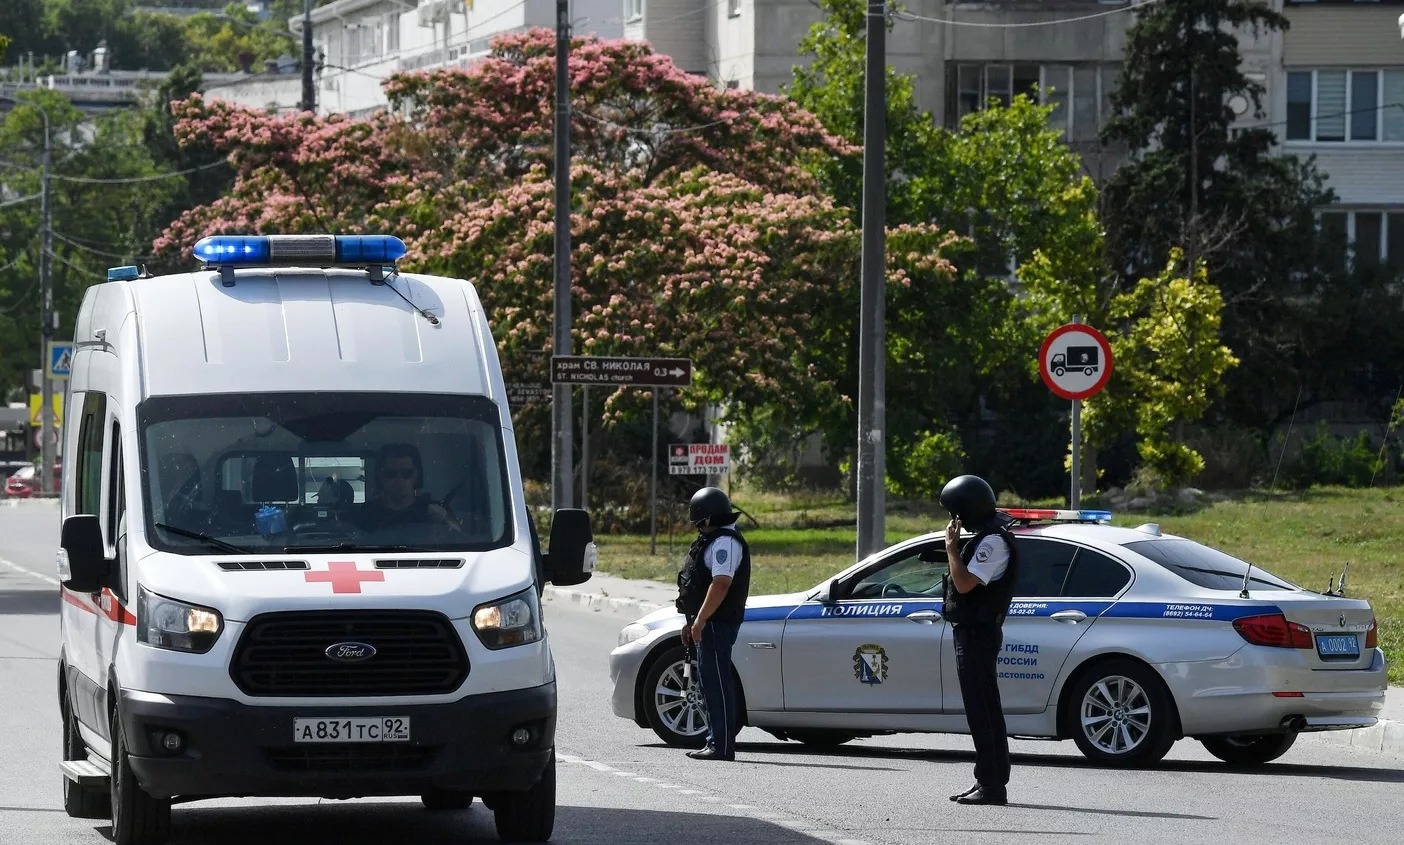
x: 712, y: 588
x: 978, y: 592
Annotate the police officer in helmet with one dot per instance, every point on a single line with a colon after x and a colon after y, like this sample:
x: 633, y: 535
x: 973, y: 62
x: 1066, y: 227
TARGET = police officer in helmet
x: 978, y: 592
x: 712, y: 588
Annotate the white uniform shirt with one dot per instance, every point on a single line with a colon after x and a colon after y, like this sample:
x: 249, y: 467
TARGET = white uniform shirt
x: 723, y: 556
x: 990, y: 560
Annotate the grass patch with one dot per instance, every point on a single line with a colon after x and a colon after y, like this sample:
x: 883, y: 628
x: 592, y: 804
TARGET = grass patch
x: 1304, y: 537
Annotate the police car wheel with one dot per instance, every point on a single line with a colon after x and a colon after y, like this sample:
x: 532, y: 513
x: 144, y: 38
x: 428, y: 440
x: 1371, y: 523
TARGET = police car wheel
x: 674, y: 708
x: 137, y: 817
x: 1248, y: 750
x: 528, y: 816
x: 1119, y: 713
x: 80, y: 802
x: 436, y: 800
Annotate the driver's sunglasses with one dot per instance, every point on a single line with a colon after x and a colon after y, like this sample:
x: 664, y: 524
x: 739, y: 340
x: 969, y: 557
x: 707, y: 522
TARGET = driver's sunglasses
x: 407, y: 472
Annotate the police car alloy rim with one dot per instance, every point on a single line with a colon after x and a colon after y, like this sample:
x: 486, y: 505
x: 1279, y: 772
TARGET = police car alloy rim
x: 679, y: 704
x: 1116, y: 714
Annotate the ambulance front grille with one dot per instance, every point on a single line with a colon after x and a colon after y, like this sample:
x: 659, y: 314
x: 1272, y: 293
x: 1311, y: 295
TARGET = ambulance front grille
x: 285, y: 654
x: 353, y: 759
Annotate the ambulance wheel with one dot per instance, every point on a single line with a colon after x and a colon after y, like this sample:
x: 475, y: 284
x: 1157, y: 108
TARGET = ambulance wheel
x: 1247, y: 750
x: 1120, y: 714
x: 674, y: 709
x: 437, y: 800
x: 820, y: 738
x: 137, y: 818
x: 527, y: 816
x: 80, y: 802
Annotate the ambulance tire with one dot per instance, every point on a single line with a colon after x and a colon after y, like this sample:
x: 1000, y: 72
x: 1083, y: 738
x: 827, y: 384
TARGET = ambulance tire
x: 528, y: 816
x: 820, y: 738
x: 80, y: 802
x: 1245, y: 750
x: 446, y: 799
x: 137, y: 818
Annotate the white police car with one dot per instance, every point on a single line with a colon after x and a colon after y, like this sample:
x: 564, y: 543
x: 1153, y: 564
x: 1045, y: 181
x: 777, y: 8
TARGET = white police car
x: 1123, y: 640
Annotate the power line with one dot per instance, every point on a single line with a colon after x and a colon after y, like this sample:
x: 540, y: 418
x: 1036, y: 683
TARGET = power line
x: 98, y: 252
x: 658, y: 130
x: 132, y: 180
x: 910, y: 17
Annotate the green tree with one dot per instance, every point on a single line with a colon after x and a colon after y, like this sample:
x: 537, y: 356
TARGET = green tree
x: 1216, y: 193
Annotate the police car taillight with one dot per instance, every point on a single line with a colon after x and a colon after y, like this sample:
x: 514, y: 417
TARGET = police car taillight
x: 1056, y: 515
x: 1273, y: 630
x: 292, y: 250
x: 1372, y: 635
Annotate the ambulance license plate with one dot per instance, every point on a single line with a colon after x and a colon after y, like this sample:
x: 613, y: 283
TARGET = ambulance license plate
x: 361, y: 729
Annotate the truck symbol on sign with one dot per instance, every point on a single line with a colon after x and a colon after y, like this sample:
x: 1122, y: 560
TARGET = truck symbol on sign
x: 1085, y: 358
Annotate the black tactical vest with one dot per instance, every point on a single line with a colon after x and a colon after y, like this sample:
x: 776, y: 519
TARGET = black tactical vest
x: 694, y: 578
x: 986, y: 603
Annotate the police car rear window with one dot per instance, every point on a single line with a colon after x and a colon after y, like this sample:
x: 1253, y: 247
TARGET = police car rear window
x: 1205, y: 567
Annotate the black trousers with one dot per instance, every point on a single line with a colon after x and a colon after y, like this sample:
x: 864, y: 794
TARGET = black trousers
x: 977, y: 649
x: 718, y: 684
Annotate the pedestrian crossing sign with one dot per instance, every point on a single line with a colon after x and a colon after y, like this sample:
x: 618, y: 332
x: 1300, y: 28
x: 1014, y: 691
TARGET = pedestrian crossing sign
x: 60, y: 359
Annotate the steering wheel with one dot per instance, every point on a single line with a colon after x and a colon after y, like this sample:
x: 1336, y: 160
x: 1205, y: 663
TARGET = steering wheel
x: 326, y: 530
x: 892, y: 588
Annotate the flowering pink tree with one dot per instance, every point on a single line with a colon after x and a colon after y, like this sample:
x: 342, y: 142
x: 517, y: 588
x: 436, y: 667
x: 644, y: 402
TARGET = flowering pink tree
x: 697, y: 232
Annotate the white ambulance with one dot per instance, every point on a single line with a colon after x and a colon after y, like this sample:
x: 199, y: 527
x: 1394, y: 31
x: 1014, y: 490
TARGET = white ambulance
x: 296, y: 556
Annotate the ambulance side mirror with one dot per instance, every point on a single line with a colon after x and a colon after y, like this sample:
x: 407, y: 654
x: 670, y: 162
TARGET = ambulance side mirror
x: 83, y: 565
x: 571, y: 558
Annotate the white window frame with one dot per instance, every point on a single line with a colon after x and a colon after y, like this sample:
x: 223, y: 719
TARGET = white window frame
x: 633, y: 10
x: 1067, y: 124
x: 733, y: 8
x: 1350, y: 106
x: 1350, y: 221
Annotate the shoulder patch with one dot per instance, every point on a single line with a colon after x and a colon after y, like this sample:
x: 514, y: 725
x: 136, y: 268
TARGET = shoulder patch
x: 721, y: 555
x: 983, y: 554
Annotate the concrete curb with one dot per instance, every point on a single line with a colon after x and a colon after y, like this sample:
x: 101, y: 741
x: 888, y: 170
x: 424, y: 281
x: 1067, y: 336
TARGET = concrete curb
x: 619, y: 606
x: 1384, y: 737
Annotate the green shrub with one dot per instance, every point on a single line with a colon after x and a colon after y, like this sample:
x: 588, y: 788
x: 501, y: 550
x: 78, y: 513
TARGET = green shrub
x: 1327, y: 459
x: 923, y: 469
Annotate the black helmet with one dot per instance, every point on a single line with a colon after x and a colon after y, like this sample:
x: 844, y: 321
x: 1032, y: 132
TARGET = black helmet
x: 710, y: 508
x: 969, y: 498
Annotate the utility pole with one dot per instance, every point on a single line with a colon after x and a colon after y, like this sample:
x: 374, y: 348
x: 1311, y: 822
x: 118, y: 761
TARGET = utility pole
x: 872, y: 342
x: 562, y: 445
x: 309, y: 91
x: 48, y: 431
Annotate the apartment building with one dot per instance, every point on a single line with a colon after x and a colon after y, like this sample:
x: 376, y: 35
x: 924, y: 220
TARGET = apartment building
x: 1342, y: 100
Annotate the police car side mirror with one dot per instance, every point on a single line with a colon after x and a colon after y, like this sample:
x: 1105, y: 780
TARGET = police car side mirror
x: 571, y: 558
x: 83, y: 564
x: 830, y: 591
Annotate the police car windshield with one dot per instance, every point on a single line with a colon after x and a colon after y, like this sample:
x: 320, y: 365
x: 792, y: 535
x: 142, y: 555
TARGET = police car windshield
x: 1205, y: 567
x: 268, y: 473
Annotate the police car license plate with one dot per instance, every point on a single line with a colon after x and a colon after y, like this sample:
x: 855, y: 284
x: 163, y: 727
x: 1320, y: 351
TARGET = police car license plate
x: 1337, y: 645
x: 363, y: 729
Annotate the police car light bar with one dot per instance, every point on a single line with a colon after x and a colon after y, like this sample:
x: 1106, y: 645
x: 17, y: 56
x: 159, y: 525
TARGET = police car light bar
x: 285, y: 250
x: 123, y: 274
x: 1055, y: 515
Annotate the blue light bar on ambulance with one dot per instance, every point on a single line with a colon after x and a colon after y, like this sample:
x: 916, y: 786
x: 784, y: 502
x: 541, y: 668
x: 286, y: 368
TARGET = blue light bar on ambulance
x: 1056, y: 515
x: 298, y: 250
x: 123, y: 274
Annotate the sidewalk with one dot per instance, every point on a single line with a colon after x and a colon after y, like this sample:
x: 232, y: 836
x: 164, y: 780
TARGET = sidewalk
x: 629, y: 599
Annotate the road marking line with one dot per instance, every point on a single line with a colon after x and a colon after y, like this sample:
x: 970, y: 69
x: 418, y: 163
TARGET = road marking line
x: 31, y: 573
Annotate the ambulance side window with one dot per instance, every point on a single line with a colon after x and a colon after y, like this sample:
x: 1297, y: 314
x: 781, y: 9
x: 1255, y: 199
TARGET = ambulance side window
x: 116, y: 510
x: 88, y: 496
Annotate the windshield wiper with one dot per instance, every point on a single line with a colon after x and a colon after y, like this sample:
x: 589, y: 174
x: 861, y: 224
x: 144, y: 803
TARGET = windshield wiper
x: 354, y: 547
x: 213, y: 541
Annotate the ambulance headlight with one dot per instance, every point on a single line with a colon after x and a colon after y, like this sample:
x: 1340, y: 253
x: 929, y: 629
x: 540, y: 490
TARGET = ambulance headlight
x: 634, y: 631
x: 167, y: 623
x: 513, y: 621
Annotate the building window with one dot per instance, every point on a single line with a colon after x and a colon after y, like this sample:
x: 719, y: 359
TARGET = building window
x: 1345, y: 106
x: 633, y: 10
x: 1375, y: 237
x: 1080, y: 94
x: 733, y: 8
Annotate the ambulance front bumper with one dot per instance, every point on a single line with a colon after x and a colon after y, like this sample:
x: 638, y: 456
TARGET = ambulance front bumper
x: 228, y: 748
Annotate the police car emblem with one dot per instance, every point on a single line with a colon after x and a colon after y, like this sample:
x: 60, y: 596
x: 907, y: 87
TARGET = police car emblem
x: 721, y: 555
x: 870, y: 664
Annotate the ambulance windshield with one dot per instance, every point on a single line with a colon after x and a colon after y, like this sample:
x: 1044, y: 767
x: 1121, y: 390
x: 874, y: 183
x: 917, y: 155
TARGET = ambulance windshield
x: 277, y: 472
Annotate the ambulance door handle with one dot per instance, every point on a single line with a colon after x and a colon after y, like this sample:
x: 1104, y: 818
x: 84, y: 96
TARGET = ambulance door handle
x: 925, y: 616
x: 1070, y: 616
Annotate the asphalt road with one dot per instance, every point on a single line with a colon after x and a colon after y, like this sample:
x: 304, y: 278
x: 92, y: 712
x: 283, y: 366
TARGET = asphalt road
x: 618, y: 785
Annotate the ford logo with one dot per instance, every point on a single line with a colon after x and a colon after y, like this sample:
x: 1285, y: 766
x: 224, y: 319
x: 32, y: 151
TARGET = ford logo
x: 350, y: 652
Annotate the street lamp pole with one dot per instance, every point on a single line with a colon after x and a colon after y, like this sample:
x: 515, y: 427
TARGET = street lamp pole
x: 309, y: 92
x: 562, y: 443
x: 872, y: 343
x: 48, y: 430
